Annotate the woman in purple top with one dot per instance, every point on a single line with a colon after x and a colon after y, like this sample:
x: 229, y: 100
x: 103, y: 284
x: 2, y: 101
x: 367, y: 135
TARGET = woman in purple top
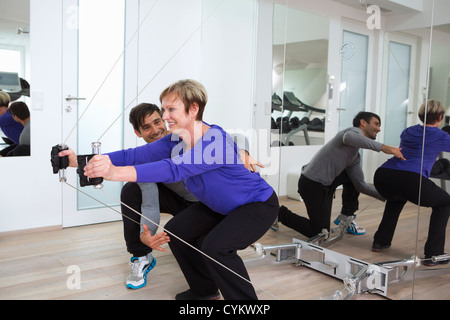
x: 398, y: 181
x: 236, y: 206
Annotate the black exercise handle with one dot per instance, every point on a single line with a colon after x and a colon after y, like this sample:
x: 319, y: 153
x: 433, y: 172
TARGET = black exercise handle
x: 85, y: 181
x: 58, y: 162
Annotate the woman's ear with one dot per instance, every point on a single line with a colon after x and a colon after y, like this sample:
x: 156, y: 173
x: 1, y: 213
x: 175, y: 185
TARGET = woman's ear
x: 193, y: 110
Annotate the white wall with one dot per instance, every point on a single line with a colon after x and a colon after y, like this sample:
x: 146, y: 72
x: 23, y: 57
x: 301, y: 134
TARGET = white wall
x: 154, y: 60
x: 227, y: 65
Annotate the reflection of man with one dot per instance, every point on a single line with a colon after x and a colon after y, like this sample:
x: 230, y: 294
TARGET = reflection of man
x: 10, y: 128
x: 152, y: 198
x: 337, y: 163
x: 20, y: 113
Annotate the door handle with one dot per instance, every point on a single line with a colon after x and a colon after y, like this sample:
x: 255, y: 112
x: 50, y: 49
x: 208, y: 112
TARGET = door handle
x: 70, y: 98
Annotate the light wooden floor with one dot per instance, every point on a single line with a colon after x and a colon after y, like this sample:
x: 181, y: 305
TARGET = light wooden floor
x: 35, y: 265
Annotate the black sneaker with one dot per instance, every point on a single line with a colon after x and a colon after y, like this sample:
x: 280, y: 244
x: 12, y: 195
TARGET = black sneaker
x: 189, y: 295
x: 430, y: 263
x: 378, y: 247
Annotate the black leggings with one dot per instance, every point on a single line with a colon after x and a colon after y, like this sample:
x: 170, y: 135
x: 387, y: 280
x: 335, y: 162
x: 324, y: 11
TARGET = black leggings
x: 219, y: 237
x: 398, y: 187
x: 318, y: 201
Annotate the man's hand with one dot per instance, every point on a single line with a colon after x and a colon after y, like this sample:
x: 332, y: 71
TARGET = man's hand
x: 248, y: 161
x: 391, y: 150
x: 155, y: 242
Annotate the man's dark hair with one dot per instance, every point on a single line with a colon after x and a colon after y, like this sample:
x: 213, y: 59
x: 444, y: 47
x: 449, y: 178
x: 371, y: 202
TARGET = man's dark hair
x: 366, y: 116
x: 20, y: 110
x: 138, y: 114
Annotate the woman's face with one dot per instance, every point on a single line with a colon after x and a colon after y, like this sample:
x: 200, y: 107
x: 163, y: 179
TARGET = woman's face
x: 175, y: 115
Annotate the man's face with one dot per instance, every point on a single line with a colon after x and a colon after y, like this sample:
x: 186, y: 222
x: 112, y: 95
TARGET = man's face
x: 153, y: 128
x: 370, y: 129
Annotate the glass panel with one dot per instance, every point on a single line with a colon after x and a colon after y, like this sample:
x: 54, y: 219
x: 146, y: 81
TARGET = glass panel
x: 14, y: 77
x: 394, y: 73
x: 300, y: 64
x: 354, y: 53
x: 100, y: 82
x: 279, y: 53
x: 432, y: 283
x: 10, y: 61
x: 228, y: 50
x: 397, y: 91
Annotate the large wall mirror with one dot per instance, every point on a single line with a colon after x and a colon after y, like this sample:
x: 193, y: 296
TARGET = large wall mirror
x: 437, y: 286
x: 389, y: 69
x: 15, y: 78
x: 299, y: 78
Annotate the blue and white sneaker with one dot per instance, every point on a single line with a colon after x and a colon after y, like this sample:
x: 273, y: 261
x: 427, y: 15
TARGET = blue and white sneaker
x: 139, y: 270
x: 275, y: 226
x: 353, y: 228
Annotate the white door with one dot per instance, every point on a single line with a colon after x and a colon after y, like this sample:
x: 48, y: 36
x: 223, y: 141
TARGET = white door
x: 93, y: 44
x: 398, y: 99
x: 354, y: 51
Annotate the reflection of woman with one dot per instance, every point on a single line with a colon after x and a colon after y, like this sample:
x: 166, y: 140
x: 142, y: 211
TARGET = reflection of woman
x: 399, y: 181
x: 236, y: 206
x: 8, y: 125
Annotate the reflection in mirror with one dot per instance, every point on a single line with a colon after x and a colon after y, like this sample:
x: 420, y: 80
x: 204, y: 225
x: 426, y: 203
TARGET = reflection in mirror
x: 14, y: 72
x: 436, y: 286
x: 354, y: 54
x: 300, y: 58
x: 390, y: 79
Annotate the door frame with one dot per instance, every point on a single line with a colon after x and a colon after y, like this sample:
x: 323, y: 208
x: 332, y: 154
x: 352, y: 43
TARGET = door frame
x: 71, y: 215
x: 413, y: 98
x: 369, y: 159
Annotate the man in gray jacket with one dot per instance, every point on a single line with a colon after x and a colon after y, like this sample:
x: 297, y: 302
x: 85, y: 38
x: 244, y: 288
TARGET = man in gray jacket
x: 337, y: 163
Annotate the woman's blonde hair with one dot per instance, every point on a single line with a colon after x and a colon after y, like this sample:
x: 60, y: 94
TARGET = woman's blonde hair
x: 4, y: 99
x: 435, y: 111
x: 188, y: 91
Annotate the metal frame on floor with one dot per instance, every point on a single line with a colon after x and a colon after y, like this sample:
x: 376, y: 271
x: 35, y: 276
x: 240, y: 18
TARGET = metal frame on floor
x: 358, y: 276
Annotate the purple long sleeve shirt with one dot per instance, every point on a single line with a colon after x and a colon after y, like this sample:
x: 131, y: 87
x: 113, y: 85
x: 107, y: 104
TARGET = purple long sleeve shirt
x: 211, y: 170
x: 436, y: 141
x: 10, y: 127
